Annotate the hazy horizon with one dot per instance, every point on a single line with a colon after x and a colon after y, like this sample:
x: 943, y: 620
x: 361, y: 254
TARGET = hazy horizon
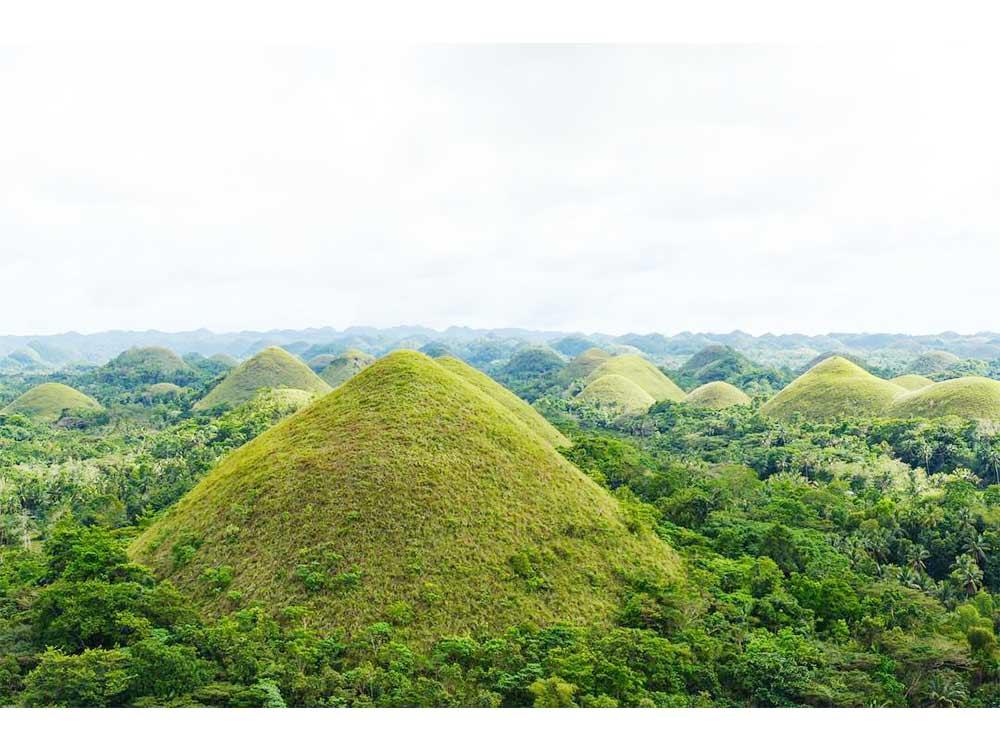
x: 593, y: 188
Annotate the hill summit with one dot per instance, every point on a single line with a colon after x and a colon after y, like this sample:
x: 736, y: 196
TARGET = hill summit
x: 343, y: 367
x: 48, y: 401
x: 271, y: 368
x: 149, y: 364
x: 968, y: 398
x: 409, y: 496
x: 717, y: 395
x: 833, y: 389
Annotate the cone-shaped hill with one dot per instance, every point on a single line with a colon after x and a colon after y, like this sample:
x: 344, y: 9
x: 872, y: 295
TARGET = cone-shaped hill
x: 149, y: 364
x: 969, y: 398
x: 584, y: 363
x: 271, y: 368
x: 616, y: 395
x: 833, y: 389
x: 408, y: 496
x: 345, y: 366
x: 48, y: 401
x: 717, y: 395
x: 911, y: 382
x: 641, y: 372
x: 521, y: 409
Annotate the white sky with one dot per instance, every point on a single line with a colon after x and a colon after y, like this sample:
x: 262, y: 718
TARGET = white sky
x: 577, y: 188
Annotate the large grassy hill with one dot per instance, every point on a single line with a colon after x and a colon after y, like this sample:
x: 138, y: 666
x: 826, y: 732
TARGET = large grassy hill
x: 524, y: 411
x: 717, y: 395
x: 345, y: 366
x: 271, y: 368
x: 833, y: 389
x: 408, y: 496
x: 47, y: 402
x: 970, y: 398
x: 643, y: 374
x: 615, y: 394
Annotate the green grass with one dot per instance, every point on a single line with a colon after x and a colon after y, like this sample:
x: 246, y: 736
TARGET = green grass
x: 717, y: 395
x: 226, y: 360
x: 345, y: 366
x: 47, y: 402
x: 641, y: 372
x: 833, y: 389
x: 271, y: 368
x: 406, y: 491
x: 522, y: 410
x: 580, y: 367
x: 616, y: 394
x: 911, y: 382
x: 969, y: 398
x: 932, y: 362
x: 160, y: 390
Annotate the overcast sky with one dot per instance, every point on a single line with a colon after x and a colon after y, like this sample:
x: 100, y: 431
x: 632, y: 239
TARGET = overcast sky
x: 578, y: 188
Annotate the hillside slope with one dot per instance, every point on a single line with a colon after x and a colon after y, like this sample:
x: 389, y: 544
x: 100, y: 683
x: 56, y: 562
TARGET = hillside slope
x: 407, y: 496
x: 616, y: 395
x: 523, y: 410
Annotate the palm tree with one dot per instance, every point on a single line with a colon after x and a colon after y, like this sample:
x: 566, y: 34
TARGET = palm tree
x: 977, y: 546
x: 968, y: 573
x: 917, y: 558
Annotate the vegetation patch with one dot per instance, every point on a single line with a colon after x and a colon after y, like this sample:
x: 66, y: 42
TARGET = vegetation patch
x: 48, y: 402
x: 271, y: 368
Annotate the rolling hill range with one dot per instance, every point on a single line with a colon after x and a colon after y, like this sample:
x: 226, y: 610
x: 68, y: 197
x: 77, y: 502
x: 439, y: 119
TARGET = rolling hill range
x: 933, y: 362
x: 582, y: 365
x: 47, y: 402
x: 834, y: 388
x: 272, y: 368
x: 717, y: 395
x: 969, y: 398
x: 345, y: 366
x: 409, y: 496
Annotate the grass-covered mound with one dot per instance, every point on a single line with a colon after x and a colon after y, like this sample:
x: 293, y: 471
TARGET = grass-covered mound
x: 271, y: 368
x: 226, y: 360
x: 582, y: 365
x: 911, y: 382
x: 717, y: 395
x: 149, y: 364
x: 48, y: 401
x: 969, y: 398
x: 406, y: 496
x: 524, y: 411
x: 615, y: 394
x: 643, y: 373
x: 833, y: 389
x: 933, y: 362
x: 345, y: 366
x: 820, y: 358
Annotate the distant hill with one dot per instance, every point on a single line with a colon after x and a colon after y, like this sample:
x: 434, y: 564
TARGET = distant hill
x: 406, y: 496
x: 642, y: 373
x: 47, y: 402
x: 853, y: 358
x: 615, y: 394
x: 933, y: 362
x: 969, y: 398
x: 582, y: 365
x: 152, y: 364
x: 271, y: 368
x: 345, y: 366
x: 833, y: 389
x: 573, y: 345
x: 717, y: 395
